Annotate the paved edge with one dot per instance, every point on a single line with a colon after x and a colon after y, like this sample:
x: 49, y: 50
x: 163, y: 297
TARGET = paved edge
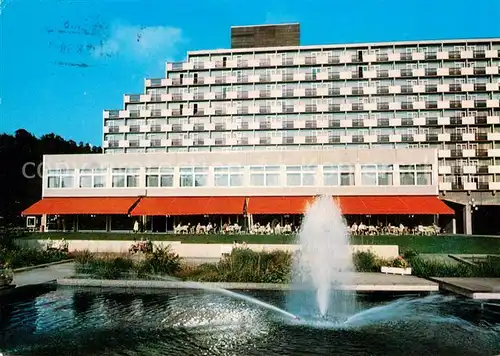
x: 229, y: 285
x: 464, y: 291
x: 29, y: 268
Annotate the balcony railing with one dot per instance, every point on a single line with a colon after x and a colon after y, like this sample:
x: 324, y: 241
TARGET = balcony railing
x: 333, y: 59
x: 430, y: 55
x: 135, y: 128
x: 311, y: 124
x: 310, y: 60
x: 311, y: 139
x: 431, y: 72
x: 479, y: 54
x: 406, y: 89
x: 156, y: 112
x: 357, y: 90
x: 480, y: 87
x: 406, y: 122
x: 479, y: 70
x: 431, y: 88
x: 382, y: 57
x: 156, y: 82
x: 383, y: 90
x: 135, y: 98
x: 358, y: 139
x: 114, y: 114
x: 406, y: 72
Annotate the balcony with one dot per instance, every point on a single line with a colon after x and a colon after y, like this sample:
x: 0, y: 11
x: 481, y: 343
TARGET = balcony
x: 155, y: 143
x: 155, y: 83
x: 333, y: 59
x: 311, y: 139
x: 382, y: 57
x: 265, y: 140
x: 311, y: 124
x: 407, y: 105
x: 288, y: 140
x: 199, y: 112
x: 264, y: 125
x: 334, y: 139
x: 430, y: 72
x: 114, y: 114
x: 134, y: 143
x: 407, y: 138
x: 156, y: 128
x: 479, y: 70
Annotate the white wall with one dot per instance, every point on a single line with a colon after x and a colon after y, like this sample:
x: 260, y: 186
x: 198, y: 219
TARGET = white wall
x: 355, y: 157
x: 201, y: 250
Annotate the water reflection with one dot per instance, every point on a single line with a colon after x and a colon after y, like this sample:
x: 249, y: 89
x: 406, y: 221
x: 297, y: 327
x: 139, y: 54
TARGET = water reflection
x: 96, y: 322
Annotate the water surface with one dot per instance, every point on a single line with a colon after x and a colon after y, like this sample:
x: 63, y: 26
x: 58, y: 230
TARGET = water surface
x: 71, y: 321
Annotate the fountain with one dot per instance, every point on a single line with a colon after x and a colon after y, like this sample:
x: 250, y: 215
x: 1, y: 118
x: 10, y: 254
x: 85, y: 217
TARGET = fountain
x: 324, y: 264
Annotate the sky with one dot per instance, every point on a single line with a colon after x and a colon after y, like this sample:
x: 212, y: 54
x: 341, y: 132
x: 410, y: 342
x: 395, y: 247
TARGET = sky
x: 62, y: 62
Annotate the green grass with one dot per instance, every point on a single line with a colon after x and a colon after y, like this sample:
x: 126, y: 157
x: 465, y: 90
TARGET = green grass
x: 452, y: 244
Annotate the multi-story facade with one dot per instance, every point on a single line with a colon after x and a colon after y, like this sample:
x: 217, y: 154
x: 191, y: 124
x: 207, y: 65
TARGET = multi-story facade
x: 441, y: 95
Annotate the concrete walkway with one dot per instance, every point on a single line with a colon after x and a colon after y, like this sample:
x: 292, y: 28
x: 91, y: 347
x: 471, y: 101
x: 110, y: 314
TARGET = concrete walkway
x: 44, y: 275
x: 361, y: 282
x: 474, y: 288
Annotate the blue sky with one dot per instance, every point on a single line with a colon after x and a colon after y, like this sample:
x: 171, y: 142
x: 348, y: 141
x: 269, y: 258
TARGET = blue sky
x: 62, y: 62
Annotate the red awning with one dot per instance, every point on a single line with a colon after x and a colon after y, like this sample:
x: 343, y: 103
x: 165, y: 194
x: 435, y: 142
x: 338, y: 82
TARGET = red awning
x: 392, y: 205
x: 82, y: 205
x: 155, y: 206
x: 353, y: 205
x: 278, y: 205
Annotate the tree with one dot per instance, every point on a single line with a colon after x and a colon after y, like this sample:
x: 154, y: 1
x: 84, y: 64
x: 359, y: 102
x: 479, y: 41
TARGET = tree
x: 17, y: 191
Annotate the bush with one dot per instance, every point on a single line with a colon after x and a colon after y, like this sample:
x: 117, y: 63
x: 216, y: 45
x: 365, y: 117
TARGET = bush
x: 103, y: 267
x: 366, y: 262
x: 161, y: 261
x: 244, y: 265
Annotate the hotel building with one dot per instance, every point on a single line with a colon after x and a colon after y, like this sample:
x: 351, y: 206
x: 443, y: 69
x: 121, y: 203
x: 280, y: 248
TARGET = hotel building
x: 386, y: 128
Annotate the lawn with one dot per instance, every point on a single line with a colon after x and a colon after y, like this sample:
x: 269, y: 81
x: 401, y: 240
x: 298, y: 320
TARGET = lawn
x: 444, y: 244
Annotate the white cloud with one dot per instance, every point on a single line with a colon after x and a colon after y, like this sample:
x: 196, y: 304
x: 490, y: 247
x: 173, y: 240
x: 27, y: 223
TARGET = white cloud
x: 141, y: 43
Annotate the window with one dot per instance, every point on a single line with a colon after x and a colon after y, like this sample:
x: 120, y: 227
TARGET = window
x: 93, y: 178
x: 193, y: 176
x: 60, y: 178
x: 297, y: 176
x: 265, y: 176
x: 415, y: 174
x: 372, y: 174
x: 125, y: 177
x: 159, y: 177
x: 338, y: 175
x: 228, y: 176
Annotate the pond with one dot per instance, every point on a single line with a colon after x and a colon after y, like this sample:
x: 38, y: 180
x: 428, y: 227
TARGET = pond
x: 73, y: 321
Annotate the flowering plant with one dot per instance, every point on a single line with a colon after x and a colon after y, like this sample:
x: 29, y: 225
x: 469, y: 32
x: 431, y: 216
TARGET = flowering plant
x: 142, y: 246
x: 6, y: 274
x: 400, y: 262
